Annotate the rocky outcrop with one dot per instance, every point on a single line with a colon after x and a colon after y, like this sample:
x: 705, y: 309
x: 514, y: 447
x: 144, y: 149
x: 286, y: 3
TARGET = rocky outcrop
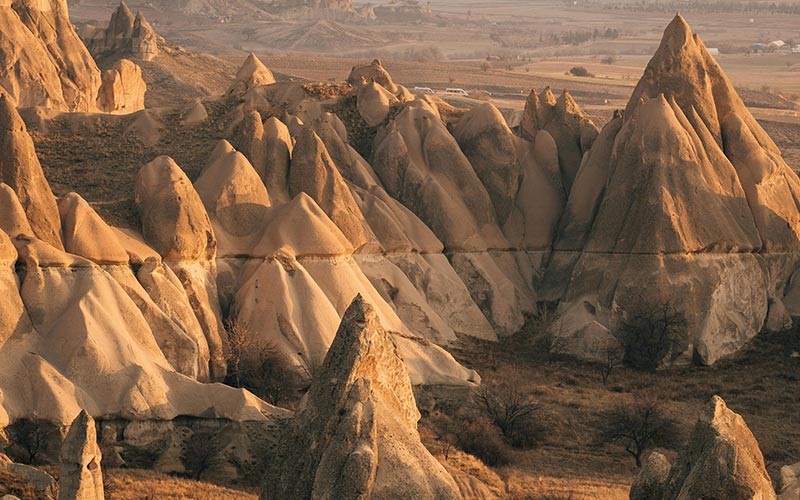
x: 268, y: 145
x: 649, y: 483
x: 44, y: 61
x: 790, y: 482
x: 123, y: 89
x: 81, y: 477
x: 356, y: 435
x: 21, y: 171
x: 563, y: 119
x: 126, y: 36
x: 373, y: 72
x: 313, y: 172
x: 684, y: 185
x: 722, y: 460
x: 251, y: 74
x: 176, y: 225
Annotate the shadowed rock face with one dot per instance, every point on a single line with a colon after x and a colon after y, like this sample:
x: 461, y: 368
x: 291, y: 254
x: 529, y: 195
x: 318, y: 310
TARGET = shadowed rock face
x: 81, y: 477
x: 649, y: 484
x: 45, y: 63
x: 723, y: 461
x: 356, y: 436
x: 126, y: 36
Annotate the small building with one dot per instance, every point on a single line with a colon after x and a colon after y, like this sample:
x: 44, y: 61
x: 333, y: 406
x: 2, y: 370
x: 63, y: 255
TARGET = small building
x: 713, y: 51
x: 758, y: 47
x: 776, y: 44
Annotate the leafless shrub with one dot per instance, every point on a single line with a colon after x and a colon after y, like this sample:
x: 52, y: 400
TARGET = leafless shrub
x: 640, y: 424
x: 201, y: 451
x: 261, y: 367
x: 29, y: 438
x: 512, y: 412
x: 652, y: 334
x: 612, y: 355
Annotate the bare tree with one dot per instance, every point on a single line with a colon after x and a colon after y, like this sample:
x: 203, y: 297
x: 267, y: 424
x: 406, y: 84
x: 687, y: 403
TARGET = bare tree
x: 261, y: 367
x: 510, y: 410
x: 240, y: 342
x: 271, y: 376
x: 31, y: 436
x: 639, y: 425
x: 611, y: 358
x: 651, y: 334
x: 546, y: 327
x: 201, y: 451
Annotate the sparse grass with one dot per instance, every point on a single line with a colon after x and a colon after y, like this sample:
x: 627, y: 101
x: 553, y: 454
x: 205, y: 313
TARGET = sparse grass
x: 572, y: 399
x: 134, y: 484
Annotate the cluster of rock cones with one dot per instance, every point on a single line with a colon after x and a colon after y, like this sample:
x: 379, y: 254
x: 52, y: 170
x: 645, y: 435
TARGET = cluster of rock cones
x: 447, y: 223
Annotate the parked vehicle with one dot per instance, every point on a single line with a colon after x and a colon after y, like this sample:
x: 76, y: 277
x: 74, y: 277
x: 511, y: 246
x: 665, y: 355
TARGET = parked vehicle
x: 456, y: 91
x: 424, y: 90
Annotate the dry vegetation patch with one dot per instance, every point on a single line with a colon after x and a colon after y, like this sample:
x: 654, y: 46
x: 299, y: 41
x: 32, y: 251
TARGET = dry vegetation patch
x: 572, y: 406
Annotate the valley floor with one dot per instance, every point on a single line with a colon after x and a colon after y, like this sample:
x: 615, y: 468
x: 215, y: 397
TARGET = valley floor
x: 760, y: 383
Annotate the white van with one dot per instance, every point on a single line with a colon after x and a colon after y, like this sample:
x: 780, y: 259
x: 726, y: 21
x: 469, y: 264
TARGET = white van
x: 455, y: 91
x: 424, y: 90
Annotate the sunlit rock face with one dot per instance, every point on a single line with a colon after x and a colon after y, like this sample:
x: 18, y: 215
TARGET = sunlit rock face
x: 683, y: 199
x: 356, y: 434
x: 45, y: 62
x: 722, y: 460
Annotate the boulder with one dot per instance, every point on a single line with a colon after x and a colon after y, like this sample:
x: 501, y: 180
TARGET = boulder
x: 123, y: 89
x: 356, y: 434
x: 790, y: 482
x: 649, y: 483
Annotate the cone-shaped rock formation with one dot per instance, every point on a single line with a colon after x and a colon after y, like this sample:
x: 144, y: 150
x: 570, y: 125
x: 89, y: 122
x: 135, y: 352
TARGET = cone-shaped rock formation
x: 356, y: 435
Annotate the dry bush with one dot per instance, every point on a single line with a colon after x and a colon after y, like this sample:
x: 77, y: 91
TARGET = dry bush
x: 640, y: 424
x: 580, y: 71
x: 134, y: 484
x: 512, y: 412
x: 652, y: 334
x: 612, y: 356
x: 261, y: 367
x: 480, y: 438
x: 14, y: 485
x: 201, y: 451
x: 29, y: 439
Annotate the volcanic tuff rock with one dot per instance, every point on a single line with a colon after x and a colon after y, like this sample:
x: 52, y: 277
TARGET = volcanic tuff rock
x: 356, y: 433
x: 126, y: 36
x: 81, y: 477
x: 790, y: 482
x: 722, y: 460
x: 21, y: 171
x: 563, y: 119
x: 251, y: 74
x: 44, y: 61
x: 373, y: 72
x: 649, y: 483
x: 176, y: 224
x: 684, y: 189
x: 123, y: 89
